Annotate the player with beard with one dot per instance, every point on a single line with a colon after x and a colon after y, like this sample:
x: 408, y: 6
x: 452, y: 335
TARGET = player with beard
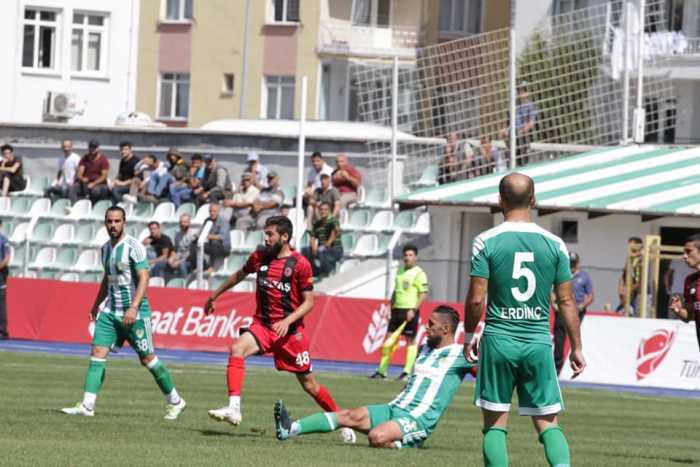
x: 412, y: 416
x: 284, y: 295
x: 687, y: 307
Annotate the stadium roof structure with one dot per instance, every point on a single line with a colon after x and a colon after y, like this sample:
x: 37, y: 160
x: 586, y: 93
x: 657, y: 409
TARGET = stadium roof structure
x: 651, y: 181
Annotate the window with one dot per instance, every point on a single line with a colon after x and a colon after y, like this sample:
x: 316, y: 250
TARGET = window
x: 280, y: 97
x: 228, y: 84
x: 569, y: 231
x: 562, y: 7
x: 285, y: 11
x: 178, y: 10
x: 88, y: 42
x: 460, y: 16
x: 174, y: 96
x: 39, y: 45
x: 371, y: 12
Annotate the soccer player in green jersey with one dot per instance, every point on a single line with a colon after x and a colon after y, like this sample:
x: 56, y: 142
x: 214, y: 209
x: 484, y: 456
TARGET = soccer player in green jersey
x: 127, y: 317
x: 516, y: 264
x: 412, y: 416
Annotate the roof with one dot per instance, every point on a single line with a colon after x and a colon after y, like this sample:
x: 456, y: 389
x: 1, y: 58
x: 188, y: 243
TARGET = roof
x: 648, y: 180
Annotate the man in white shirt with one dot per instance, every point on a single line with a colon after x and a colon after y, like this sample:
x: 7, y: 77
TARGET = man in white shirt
x: 258, y: 170
x: 318, y: 168
x: 65, y: 176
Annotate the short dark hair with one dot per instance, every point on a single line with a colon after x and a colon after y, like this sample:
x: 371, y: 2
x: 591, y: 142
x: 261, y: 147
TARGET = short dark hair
x: 151, y: 156
x: 124, y: 144
x: 156, y: 223
x: 282, y: 224
x: 451, y: 314
x: 316, y: 154
x: 7, y: 147
x: 695, y: 239
x: 634, y: 240
x: 513, y: 197
x: 325, y: 203
x: 115, y: 208
x: 196, y: 157
x: 410, y: 247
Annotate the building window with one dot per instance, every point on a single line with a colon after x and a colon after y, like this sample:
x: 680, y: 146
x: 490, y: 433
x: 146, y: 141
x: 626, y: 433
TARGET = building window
x: 285, y: 11
x: 280, y: 97
x: 88, y: 42
x: 371, y: 12
x: 174, y: 96
x: 178, y: 10
x: 39, y: 45
x: 569, y: 231
x: 562, y: 7
x: 227, y: 87
x: 460, y: 16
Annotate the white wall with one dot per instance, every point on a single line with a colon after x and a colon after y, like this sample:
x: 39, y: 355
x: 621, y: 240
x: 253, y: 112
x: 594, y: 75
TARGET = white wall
x: 22, y: 92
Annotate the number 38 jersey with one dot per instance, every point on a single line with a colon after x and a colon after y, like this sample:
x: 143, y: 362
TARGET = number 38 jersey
x: 522, y: 261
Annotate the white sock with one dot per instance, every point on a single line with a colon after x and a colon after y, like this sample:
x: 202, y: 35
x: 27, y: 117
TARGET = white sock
x: 89, y: 399
x: 173, y: 398
x: 234, y: 401
x: 294, y: 429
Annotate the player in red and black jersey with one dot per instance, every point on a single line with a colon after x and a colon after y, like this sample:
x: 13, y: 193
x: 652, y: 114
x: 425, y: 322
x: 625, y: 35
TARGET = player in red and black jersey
x: 688, y: 307
x: 284, y: 295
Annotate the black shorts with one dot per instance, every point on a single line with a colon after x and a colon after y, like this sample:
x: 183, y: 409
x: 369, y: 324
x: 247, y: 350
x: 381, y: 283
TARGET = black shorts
x: 397, y: 319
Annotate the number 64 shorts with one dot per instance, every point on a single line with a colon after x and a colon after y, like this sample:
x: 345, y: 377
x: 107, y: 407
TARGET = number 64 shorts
x: 291, y: 352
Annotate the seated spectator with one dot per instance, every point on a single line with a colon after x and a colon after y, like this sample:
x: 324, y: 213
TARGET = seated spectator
x: 216, y: 185
x: 218, y: 244
x: 11, y: 173
x: 91, y: 180
x: 181, y: 260
x: 65, y: 176
x: 346, y: 179
x: 143, y: 170
x: 258, y: 170
x: 324, y: 194
x: 127, y: 172
x: 326, y: 248
x: 179, y: 189
x: 449, y: 169
x: 489, y: 159
x: 197, y: 169
x: 240, y: 205
x: 268, y: 204
x: 158, y: 182
x: 162, y: 245
x: 313, y: 177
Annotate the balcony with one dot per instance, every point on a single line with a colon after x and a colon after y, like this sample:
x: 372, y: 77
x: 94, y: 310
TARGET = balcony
x: 347, y: 40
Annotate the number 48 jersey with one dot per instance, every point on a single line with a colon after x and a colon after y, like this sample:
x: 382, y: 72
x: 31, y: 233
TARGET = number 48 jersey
x: 522, y: 261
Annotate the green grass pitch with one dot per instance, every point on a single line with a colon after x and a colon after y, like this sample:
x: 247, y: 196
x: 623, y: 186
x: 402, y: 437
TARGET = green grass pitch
x: 603, y: 428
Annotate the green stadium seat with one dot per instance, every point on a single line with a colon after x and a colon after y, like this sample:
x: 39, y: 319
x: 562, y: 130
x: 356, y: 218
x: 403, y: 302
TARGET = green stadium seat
x: 42, y: 233
x: 429, y: 177
x: 177, y: 282
x: 186, y: 208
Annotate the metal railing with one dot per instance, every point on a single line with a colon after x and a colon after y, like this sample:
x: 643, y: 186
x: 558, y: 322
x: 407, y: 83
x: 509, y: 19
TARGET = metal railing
x: 344, y: 38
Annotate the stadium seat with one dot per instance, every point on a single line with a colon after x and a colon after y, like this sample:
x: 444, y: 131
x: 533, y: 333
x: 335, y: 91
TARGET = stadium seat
x: 201, y: 215
x: 343, y: 216
x: 252, y: 240
x: 79, y: 211
x: 28, y: 274
x: 35, y: 187
x: 128, y: 209
x: 19, y: 207
x: 171, y: 231
x: 142, y: 212
x: 405, y: 220
x: 97, y: 213
x: 5, y: 206
x: 366, y: 245
x: 377, y: 198
x: 65, y: 258
x: 194, y: 286
x: 382, y: 221
x: 164, y: 213
x: 63, y: 235
x: 422, y: 225
x: 101, y: 237
x: 19, y: 234
x: 185, y: 208
x: 88, y: 261
x: 305, y: 240
x: 44, y: 258
x: 91, y: 277
x: 59, y: 208
x: 41, y: 233
x: 7, y: 228
x: 40, y: 207
x: 359, y: 219
x: 348, y: 241
x: 237, y: 239
x: 177, y: 282
x: 156, y: 282
x: 290, y: 195
x: 383, y: 246
x: 84, y: 235
x: 429, y: 177
x: 143, y: 234
x: 69, y: 277
x: 361, y: 194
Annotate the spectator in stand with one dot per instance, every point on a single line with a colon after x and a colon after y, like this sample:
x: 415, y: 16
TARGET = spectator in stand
x: 152, y: 177
x: 180, y: 189
x: 4, y: 273
x: 197, y: 169
x: 240, y: 205
x: 217, y: 184
x: 449, y: 169
x: 258, y: 170
x: 11, y: 171
x: 91, y: 180
x: 346, y: 179
x: 326, y: 248
x: 180, y: 262
x: 268, y: 204
x: 526, y: 115
x: 634, y: 248
x: 324, y: 194
x: 218, y: 244
x: 488, y: 157
x: 162, y: 245
x: 127, y: 172
x: 313, y: 177
x: 158, y: 182
x: 65, y: 176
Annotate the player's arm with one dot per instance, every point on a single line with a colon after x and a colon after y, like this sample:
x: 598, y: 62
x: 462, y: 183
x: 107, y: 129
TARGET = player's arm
x: 679, y: 308
x: 569, y: 314
x: 473, y: 309
x: 232, y: 280
x: 143, y: 277
x: 101, y: 295
x: 282, y: 327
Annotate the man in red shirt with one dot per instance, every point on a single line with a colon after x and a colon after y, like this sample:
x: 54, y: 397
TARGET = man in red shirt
x: 346, y: 179
x: 690, y: 307
x: 284, y: 295
x: 91, y: 179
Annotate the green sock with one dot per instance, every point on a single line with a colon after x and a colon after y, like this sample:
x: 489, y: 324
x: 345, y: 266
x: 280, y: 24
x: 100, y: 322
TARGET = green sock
x: 95, y: 375
x: 411, y: 353
x: 495, y: 449
x: 162, y: 375
x: 388, y: 350
x: 556, y: 449
x: 321, y: 422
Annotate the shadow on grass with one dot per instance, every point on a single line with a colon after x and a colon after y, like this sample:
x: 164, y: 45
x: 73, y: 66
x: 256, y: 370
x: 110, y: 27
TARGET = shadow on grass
x: 234, y: 434
x: 675, y: 460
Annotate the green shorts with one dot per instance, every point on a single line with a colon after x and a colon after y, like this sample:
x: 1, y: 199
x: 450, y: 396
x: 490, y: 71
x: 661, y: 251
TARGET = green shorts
x: 506, y: 363
x: 413, y: 430
x: 109, y: 331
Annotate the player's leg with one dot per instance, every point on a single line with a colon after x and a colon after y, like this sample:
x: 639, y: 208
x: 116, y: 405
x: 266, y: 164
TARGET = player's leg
x: 410, y: 332
x: 397, y: 323
x: 400, y: 430
x: 386, y: 435
x: 495, y: 448
x: 246, y: 345
x: 322, y: 422
x: 556, y: 448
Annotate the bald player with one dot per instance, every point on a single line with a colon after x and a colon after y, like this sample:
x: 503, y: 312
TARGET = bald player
x: 515, y: 265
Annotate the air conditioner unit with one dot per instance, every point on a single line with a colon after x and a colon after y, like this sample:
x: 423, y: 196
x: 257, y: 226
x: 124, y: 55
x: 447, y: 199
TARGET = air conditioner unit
x: 62, y: 105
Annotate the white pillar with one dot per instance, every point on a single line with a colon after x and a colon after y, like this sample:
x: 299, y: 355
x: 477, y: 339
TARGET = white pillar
x: 299, y: 219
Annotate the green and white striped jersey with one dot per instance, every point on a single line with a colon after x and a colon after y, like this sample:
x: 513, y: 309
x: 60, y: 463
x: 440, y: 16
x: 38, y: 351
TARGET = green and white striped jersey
x: 522, y: 261
x: 436, y: 377
x: 120, y: 263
